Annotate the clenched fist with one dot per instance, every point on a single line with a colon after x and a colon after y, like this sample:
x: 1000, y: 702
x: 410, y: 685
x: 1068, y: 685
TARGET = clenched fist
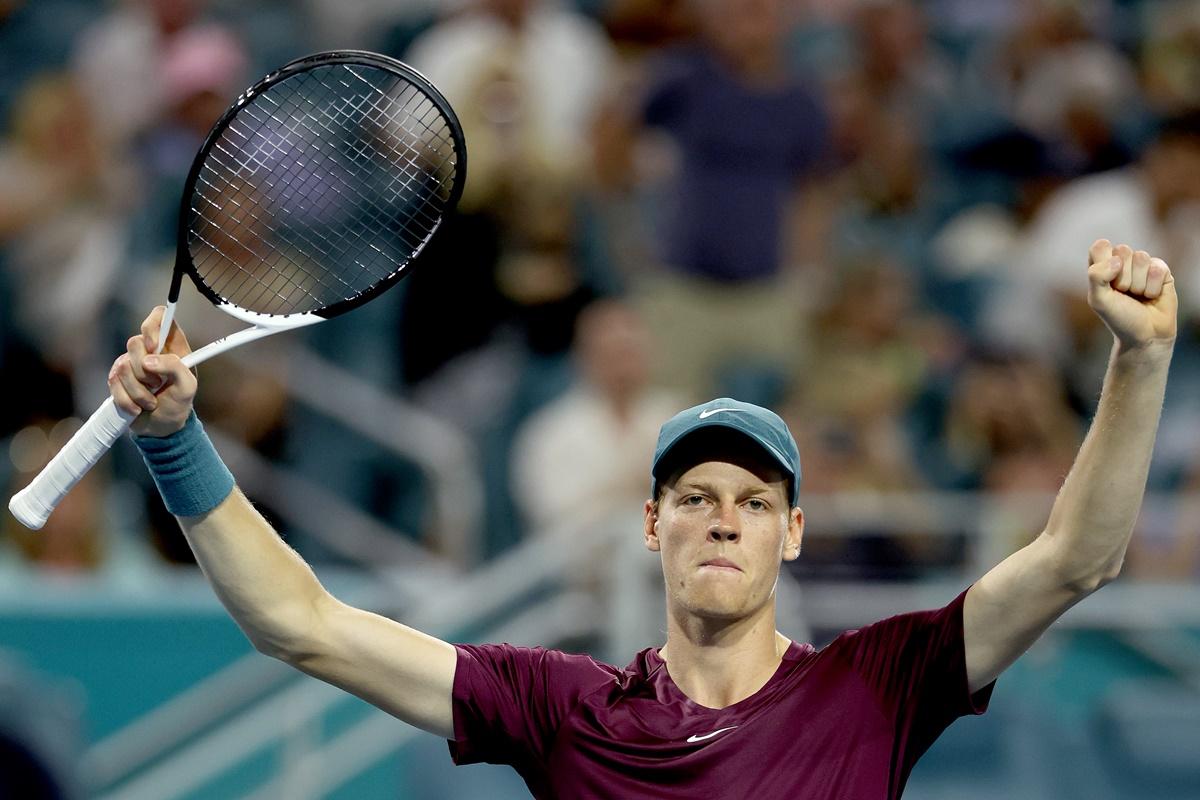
x: 157, y: 387
x: 1133, y: 293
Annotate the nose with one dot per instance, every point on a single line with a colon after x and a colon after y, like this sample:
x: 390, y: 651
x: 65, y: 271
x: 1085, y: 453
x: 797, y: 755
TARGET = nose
x: 725, y: 527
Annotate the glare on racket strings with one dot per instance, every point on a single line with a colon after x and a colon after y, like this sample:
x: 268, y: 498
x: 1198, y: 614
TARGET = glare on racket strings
x: 319, y: 190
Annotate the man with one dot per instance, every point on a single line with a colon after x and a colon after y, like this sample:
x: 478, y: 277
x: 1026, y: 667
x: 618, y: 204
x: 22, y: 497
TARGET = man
x: 586, y: 452
x: 747, y: 135
x: 728, y: 707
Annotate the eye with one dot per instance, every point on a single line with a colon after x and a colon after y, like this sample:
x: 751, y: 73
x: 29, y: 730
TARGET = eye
x: 693, y: 500
x: 756, y: 504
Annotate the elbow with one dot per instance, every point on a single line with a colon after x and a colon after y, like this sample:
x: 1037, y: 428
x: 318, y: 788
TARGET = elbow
x: 1081, y: 573
x: 1110, y: 575
x: 1092, y: 581
x: 272, y: 647
x: 279, y: 647
x: 290, y: 638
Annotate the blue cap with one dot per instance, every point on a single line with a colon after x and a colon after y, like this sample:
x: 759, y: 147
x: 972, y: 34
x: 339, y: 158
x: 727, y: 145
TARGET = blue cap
x: 762, y: 426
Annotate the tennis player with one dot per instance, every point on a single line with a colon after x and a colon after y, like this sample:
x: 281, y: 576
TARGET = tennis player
x: 728, y: 706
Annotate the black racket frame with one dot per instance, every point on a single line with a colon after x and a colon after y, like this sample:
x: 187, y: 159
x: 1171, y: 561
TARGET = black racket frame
x: 183, y: 256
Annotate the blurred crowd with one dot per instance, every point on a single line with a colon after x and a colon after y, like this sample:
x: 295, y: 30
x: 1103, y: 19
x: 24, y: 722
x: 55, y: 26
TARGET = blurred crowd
x: 871, y: 215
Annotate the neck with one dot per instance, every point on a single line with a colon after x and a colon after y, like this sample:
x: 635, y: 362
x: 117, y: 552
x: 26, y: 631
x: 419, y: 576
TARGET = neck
x: 757, y: 69
x: 717, y: 663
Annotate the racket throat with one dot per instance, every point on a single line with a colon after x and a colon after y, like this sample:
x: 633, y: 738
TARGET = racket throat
x: 168, y: 317
x: 264, y: 325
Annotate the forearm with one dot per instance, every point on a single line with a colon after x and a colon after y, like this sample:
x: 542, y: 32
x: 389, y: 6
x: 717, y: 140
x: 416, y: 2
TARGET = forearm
x: 1094, y: 515
x: 266, y: 586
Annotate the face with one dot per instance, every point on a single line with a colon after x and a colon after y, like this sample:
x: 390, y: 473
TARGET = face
x: 722, y: 528
x: 744, y: 28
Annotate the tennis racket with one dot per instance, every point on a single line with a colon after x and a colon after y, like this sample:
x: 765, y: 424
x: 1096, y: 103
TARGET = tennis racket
x: 311, y: 195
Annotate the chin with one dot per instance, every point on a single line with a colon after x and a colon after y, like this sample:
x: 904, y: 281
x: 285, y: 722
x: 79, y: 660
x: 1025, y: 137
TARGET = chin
x: 716, y: 605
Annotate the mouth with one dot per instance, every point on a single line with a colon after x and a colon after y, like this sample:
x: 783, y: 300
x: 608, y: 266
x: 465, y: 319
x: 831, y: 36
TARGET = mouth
x: 720, y: 565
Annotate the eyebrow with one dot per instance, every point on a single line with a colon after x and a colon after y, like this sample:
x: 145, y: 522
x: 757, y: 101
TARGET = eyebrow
x: 697, y: 486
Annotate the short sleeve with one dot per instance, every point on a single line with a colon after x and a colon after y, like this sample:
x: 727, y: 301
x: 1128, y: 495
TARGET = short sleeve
x: 916, y: 666
x: 510, y: 701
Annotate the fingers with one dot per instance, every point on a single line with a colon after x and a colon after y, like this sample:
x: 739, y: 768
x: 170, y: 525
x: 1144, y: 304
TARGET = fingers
x: 1125, y: 279
x: 1100, y: 251
x: 177, y: 342
x: 130, y: 394
x: 1132, y: 272
x: 136, y: 349
x: 151, y: 326
x: 1139, y: 267
x: 177, y: 379
x: 1102, y: 273
x: 1157, y: 274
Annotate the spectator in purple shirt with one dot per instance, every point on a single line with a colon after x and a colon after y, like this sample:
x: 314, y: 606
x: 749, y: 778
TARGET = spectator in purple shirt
x: 746, y: 131
x: 727, y: 706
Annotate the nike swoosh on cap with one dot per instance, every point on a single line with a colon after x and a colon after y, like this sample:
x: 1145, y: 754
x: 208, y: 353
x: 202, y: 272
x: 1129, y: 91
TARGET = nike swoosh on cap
x: 708, y: 413
x: 694, y: 738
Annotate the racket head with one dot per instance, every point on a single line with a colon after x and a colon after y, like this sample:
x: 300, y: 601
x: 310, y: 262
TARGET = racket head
x: 318, y: 188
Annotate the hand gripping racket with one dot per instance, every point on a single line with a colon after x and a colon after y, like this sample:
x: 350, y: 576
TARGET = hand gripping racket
x: 312, y: 194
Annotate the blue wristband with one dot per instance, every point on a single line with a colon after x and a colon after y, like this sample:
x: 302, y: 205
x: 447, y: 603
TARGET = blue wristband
x: 189, y: 474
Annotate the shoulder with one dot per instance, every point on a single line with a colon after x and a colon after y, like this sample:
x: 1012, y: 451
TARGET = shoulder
x: 1123, y: 185
x: 566, y: 419
x: 452, y: 51
x: 564, y: 27
x: 901, y: 630
x: 534, y: 665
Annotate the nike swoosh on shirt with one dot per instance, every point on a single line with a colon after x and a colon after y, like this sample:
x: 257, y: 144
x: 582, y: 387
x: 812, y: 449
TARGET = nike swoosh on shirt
x: 694, y: 738
x: 711, y: 411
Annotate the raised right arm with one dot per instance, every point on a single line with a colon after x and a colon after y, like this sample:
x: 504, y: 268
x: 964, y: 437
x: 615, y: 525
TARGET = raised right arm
x: 270, y: 591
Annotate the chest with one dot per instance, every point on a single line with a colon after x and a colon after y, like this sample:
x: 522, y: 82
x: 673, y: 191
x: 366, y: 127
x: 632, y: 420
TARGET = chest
x: 823, y: 736
x: 724, y: 124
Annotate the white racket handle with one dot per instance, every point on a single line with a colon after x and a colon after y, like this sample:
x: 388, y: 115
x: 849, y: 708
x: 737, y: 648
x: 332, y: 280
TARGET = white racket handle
x: 33, y: 505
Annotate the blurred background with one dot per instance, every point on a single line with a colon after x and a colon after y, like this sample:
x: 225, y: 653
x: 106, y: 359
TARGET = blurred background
x: 872, y: 216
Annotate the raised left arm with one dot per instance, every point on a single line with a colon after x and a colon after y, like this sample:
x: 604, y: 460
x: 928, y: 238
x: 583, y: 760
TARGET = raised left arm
x: 1084, y: 542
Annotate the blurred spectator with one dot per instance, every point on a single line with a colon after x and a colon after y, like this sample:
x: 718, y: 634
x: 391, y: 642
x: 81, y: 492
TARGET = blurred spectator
x: 885, y: 203
x: 746, y: 133
x: 1167, y: 543
x: 639, y: 25
x: 1153, y: 205
x: 118, y: 62
x: 524, y: 76
x: 868, y: 336
x: 200, y: 72
x: 1170, y: 55
x: 1054, y: 76
x: 587, y: 454
x: 1075, y: 99
x: 64, y: 197
x: 1008, y: 426
x: 874, y: 350
x: 899, y: 65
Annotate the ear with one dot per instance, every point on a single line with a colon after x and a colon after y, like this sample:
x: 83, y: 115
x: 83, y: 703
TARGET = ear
x: 795, y: 533
x: 650, y: 526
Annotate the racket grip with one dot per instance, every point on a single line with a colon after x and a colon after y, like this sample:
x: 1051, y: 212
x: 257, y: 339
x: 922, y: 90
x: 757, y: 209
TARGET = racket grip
x: 33, y: 505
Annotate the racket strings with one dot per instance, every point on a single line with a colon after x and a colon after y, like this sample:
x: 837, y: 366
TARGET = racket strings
x: 290, y: 177
x: 320, y: 188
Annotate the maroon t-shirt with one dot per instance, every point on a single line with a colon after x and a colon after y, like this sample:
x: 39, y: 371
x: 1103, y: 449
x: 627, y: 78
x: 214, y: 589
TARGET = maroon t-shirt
x: 845, y: 722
